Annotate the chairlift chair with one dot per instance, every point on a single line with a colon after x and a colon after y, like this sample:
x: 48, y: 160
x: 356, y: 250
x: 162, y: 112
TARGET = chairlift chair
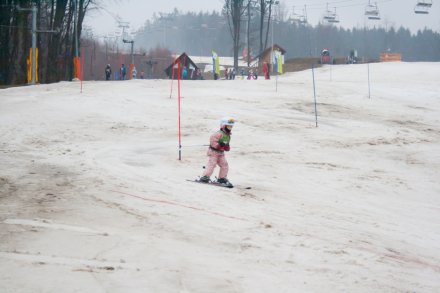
x: 374, y: 17
x: 421, y: 10
x: 422, y: 7
x: 372, y: 12
x: 335, y: 20
x: 302, y: 19
x: 330, y: 16
x: 295, y: 16
x: 424, y: 3
x: 298, y: 18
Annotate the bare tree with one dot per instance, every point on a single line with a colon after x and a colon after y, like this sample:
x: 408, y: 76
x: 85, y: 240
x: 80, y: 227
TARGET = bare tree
x: 14, y: 42
x: 55, y: 56
x: 266, y: 9
x: 234, y: 11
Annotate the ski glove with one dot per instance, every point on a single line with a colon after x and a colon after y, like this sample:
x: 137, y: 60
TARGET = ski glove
x: 224, y: 146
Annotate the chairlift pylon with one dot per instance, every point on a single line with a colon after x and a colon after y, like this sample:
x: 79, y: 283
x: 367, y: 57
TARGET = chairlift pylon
x: 423, y: 7
x: 372, y: 11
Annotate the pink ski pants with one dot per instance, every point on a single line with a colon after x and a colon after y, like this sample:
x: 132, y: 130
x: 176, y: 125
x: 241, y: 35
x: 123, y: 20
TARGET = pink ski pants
x: 216, y: 158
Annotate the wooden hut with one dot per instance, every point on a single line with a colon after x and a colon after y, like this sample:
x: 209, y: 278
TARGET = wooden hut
x: 192, y: 71
x: 266, y: 55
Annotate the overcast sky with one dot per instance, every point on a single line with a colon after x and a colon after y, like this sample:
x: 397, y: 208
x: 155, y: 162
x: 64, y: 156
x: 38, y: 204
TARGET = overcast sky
x: 351, y: 12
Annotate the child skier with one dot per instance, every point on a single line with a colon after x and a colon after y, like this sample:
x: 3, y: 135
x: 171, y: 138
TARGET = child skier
x: 218, y: 145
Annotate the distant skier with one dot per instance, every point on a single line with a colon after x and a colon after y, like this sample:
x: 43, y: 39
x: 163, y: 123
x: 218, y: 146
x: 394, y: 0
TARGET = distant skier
x: 108, y: 72
x: 218, y: 145
x: 232, y: 74
x: 185, y: 73
x: 133, y: 73
x: 226, y: 74
x: 250, y: 74
x: 123, y: 72
x: 266, y: 71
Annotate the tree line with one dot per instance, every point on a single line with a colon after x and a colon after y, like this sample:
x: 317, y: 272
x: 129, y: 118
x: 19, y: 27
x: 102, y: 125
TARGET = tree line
x: 199, y: 33
x: 56, y: 31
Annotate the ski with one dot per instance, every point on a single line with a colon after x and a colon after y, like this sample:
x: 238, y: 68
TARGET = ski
x: 211, y: 183
x: 217, y: 184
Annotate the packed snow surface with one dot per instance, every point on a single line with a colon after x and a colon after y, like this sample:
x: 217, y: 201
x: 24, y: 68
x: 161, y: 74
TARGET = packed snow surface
x: 94, y: 198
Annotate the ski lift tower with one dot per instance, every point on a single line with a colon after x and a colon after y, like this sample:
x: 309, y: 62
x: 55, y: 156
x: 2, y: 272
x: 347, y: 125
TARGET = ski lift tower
x: 34, y: 10
x: 423, y: 6
x: 125, y: 40
x: 274, y: 2
x: 372, y: 12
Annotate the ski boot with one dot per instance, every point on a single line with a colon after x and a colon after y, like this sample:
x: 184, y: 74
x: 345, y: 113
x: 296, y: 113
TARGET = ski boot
x: 225, y: 182
x: 205, y: 179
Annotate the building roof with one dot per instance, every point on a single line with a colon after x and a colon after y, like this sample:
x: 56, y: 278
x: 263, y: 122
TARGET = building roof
x: 184, y: 61
x: 267, y: 50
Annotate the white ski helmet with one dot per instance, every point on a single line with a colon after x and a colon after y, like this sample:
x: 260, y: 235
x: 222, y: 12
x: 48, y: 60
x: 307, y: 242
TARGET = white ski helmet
x: 227, y: 121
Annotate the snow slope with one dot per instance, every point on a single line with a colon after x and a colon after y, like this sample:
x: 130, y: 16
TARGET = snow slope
x: 93, y: 197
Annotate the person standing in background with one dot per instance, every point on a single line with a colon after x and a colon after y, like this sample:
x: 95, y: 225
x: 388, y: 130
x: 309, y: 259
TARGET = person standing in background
x: 108, y: 72
x: 123, y: 72
x: 134, y: 73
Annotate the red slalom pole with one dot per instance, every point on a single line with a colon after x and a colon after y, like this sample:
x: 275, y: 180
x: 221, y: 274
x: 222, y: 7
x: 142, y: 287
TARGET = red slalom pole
x: 172, y: 78
x: 178, y: 107
x: 82, y: 68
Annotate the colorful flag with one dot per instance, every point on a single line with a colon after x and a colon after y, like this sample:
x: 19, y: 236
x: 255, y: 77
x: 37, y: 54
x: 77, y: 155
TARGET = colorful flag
x: 278, y: 60
x: 215, y: 63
